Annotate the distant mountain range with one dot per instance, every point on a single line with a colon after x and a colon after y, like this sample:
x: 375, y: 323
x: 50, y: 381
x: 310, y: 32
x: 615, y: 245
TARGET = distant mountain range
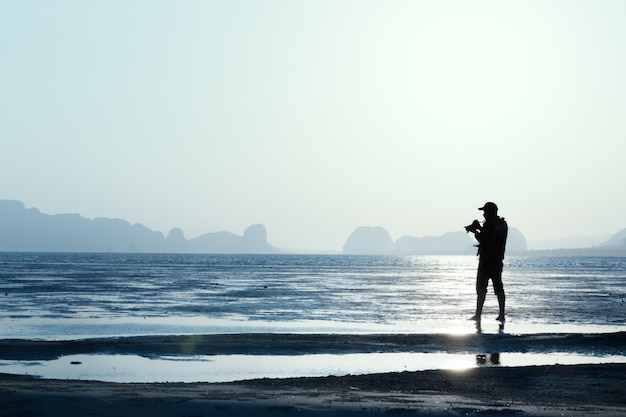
x: 377, y: 240
x: 28, y: 230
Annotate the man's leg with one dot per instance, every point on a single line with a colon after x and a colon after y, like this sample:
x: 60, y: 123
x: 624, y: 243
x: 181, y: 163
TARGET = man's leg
x: 501, y: 302
x: 482, y: 280
x: 499, y: 289
x: 480, y: 301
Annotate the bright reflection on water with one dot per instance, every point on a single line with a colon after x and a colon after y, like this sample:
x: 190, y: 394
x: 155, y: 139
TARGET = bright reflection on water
x: 224, y: 368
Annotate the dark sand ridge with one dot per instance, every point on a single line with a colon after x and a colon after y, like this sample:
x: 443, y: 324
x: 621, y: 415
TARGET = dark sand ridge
x: 298, y: 344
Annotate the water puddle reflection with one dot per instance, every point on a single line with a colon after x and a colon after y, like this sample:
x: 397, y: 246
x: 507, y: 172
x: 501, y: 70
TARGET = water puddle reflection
x: 226, y: 368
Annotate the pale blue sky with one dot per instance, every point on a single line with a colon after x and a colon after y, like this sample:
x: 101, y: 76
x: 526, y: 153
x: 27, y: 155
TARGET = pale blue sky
x: 315, y: 117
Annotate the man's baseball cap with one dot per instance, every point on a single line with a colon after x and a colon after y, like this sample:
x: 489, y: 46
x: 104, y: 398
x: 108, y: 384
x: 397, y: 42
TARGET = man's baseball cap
x: 489, y: 206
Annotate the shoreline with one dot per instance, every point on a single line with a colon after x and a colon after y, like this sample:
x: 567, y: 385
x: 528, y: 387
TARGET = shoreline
x: 575, y: 390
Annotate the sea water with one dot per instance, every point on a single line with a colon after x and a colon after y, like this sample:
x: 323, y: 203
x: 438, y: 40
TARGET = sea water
x: 51, y: 295
x: 65, y: 296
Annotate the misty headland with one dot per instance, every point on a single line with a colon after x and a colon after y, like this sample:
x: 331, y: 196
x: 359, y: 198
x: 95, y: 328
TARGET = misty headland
x: 28, y: 230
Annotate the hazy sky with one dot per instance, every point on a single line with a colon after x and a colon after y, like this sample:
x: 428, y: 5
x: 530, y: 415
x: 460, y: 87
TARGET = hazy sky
x: 315, y: 117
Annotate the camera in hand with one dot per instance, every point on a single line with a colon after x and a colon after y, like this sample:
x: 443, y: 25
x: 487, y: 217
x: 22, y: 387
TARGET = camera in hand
x: 475, y: 226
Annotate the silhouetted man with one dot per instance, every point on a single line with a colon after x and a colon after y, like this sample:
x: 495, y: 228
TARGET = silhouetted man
x: 491, y: 237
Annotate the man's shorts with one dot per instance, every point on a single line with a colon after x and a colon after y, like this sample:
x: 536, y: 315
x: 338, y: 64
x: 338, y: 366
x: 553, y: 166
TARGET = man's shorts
x: 491, y: 269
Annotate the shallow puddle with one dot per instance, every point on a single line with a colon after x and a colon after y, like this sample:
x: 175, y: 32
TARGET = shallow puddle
x: 225, y: 368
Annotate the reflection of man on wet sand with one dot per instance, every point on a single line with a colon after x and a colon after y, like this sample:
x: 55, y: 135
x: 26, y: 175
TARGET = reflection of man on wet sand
x: 491, y: 236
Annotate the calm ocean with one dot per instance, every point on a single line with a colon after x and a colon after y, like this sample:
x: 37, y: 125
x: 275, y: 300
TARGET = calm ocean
x: 69, y: 295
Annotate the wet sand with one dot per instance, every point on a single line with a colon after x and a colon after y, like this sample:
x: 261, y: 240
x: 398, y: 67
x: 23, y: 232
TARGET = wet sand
x: 573, y: 390
x: 577, y: 390
x: 299, y: 344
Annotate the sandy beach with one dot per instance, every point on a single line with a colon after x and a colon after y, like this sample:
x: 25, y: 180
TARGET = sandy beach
x: 572, y: 390
x: 578, y: 390
x: 302, y: 343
